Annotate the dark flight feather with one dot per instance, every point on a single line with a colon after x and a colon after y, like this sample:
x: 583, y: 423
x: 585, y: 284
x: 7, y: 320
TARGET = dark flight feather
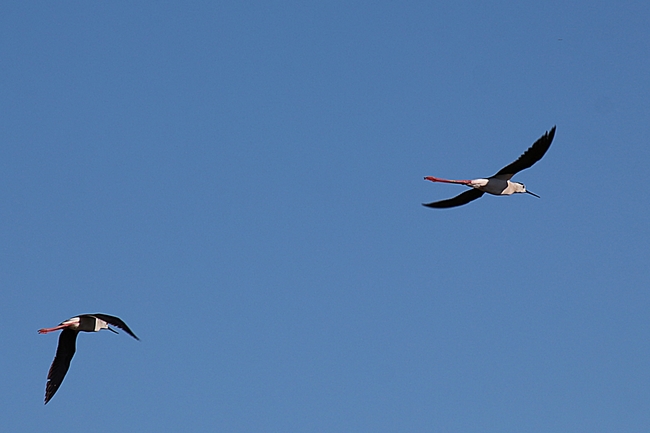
x: 529, y: 157
x: 117, y: 322
x: 64, y: 353
x: 459, y: 200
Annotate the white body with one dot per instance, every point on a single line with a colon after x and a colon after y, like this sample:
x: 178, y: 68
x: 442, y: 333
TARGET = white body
x: 497, y: 186
x: 77, y: 324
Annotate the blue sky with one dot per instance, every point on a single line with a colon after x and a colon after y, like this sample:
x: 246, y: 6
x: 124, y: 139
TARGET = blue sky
x: 241, y: 182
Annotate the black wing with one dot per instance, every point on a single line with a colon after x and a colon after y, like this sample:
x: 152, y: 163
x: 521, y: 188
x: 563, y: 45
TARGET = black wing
x: 529, y: 157
x: 459, y: 200
x: 64, y: 353
x: 116, y: 321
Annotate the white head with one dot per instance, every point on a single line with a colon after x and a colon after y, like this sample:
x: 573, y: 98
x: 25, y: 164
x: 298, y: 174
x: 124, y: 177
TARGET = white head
x: 520, y: 187
x: 100, y: 324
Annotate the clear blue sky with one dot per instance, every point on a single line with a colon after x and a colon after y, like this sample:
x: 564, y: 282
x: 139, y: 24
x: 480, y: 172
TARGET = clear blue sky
x: 241, y: 182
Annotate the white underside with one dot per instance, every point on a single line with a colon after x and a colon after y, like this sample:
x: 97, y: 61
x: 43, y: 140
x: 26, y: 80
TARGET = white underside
x: 494, y: 186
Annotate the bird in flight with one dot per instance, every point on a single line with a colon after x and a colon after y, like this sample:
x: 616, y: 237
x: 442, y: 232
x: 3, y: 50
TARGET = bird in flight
x: 500, y: 183
x: 67, y: 344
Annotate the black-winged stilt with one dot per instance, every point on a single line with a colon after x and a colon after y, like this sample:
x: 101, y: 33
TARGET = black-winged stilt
x: 67, y: 342
x: 499, y: 184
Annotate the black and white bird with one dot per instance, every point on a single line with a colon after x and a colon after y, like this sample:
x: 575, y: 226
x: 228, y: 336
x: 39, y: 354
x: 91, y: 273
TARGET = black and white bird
x: 500, y: 183
x: 67, y: 344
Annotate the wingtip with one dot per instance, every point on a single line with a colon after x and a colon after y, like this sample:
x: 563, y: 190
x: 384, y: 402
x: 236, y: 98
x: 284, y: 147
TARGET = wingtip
x: 551, y: 132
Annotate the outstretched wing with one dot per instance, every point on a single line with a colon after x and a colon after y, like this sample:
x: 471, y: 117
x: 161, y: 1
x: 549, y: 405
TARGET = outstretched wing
x: 459, y: 200
x: 529, y: 157
x: 64, y: 353
x: 116, y: 321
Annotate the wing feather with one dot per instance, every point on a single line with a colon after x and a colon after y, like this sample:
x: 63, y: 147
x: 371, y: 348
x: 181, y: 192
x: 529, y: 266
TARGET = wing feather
x: 64, y: 353
x: 529, y: 157
x: 459, y: 200
x: 116, y: 321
